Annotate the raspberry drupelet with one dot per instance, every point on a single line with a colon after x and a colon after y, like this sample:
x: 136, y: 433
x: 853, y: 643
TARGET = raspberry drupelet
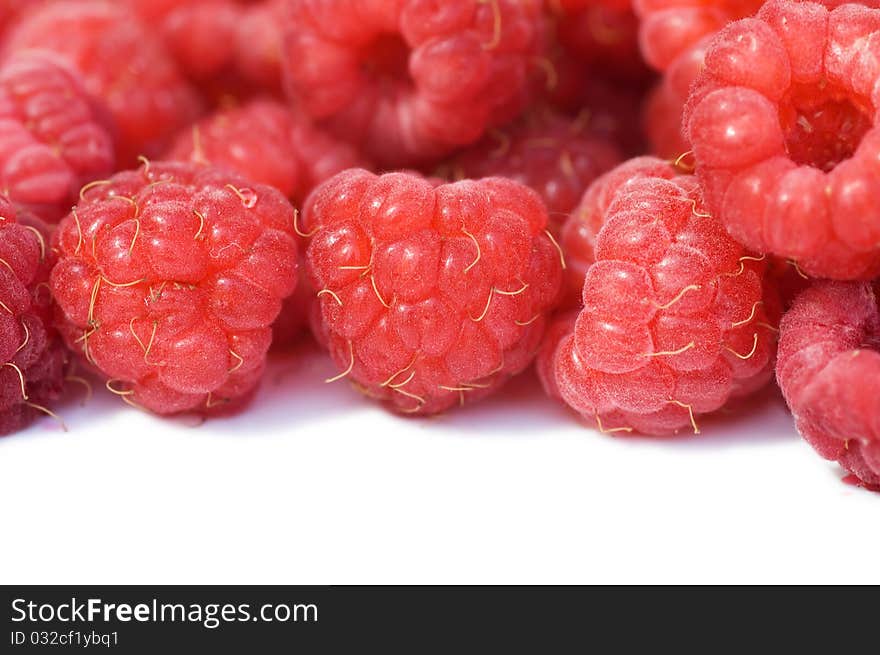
x: 782, y: 121
x: 578, y: 237
x: 168, y: 280
x: 829, y: 372
x: 556, y: 156
x: 33, y: 360
x: 408, y: 81
x: 430, y: 296
x: 673, y: 323
x: 53, y: 136
x: 122, y: 63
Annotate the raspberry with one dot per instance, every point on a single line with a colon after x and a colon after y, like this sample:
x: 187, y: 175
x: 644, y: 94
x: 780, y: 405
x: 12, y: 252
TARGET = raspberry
x: 560, y: 327
x: 33, y: 360
x: 200, y: 34
x: 829, y: 370
x: 258, y: 44
x: 603, y: 34
x: 782, y: 126
x: 169, y: 278
x: 671, y: 27
x: 52, y: 140
x: 409, y: 81
x: 253, y: 140
x: 121, y: 63
x: 673, y: 324
x: 555, y: 156
x: 266, y: 143
x: 578, y: 236
x: 430, y: 297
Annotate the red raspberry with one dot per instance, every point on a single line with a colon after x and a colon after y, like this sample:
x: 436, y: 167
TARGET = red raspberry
x: 32, y: 358
x: 430, y: 296
x: 603, y: 34
x: 258, y: 44
x: 121, y: 63
x: 556, y: 156
x: 578, y: 237
x: 266, y: 143
x: 782, y: 126
x: 409, y: 81
x: 829, y: 372
x: 671, y: 27
x: 673, y: 324
x: 52, y: 140
x: 559, y: 328
x: 169, y: 279
x: 200, y: 34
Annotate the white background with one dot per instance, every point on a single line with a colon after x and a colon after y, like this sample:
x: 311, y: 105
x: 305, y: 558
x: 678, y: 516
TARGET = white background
x: 316, y: 485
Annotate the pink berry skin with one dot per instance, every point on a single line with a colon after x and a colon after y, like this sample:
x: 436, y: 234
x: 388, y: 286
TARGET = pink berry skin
x: 556, y: 156
x: 829, y: 373
x: 54, y: 138
x: 168, y: 280
x: 431, y: 296
x: 782, y: 127
x: 33, y: 360
x: 409, y: 81
x: 121, y: 62
x: 579, y: 232
x: 673, y: 323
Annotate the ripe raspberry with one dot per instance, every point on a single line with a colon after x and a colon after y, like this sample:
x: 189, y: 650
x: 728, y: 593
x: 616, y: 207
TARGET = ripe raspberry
x: 121, y: 63
x: 559, y: 327
x: 578, y: 237
x: 263, y: 141
x: 555, y: 156
x: 430, y: 297
x: 673, y: 324
x: 199, y: 34
x: 33, y: 360
x: 409, y: 81
x: 829, y: 372
x: 782, y: 126
x: 671, y: 27
x: 169, y: 279
x: 52, y: 139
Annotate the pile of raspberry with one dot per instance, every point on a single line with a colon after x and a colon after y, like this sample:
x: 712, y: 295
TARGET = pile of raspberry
x: 661, y: 207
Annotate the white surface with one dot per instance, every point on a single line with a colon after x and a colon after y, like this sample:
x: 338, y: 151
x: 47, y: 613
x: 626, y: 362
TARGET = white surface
x: 316, y: 485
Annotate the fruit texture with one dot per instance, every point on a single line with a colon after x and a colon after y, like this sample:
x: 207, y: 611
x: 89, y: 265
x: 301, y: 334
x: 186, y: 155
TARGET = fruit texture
x: 556, y: 156
x: 53, y: 137
x: 169, y: 278
x: 673, y: 323
x: 829, y: 372
x: 578, y: 237
x: 782, y: 123
x: 122, y: 63
x: 33, y: 360
x: 264, y: 141
x: 408, y: 81
x: 430, y: 296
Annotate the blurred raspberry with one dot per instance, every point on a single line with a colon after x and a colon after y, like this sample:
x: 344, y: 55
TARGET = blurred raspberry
x: 121, y: 62
x: 265, y: 142
x: 556, y: 156
x: 409, y: 81
x: 33, y: 360
x: 53, y: 137
x: 430, y: 296
x: 169, y: 278
x: 199, y: 34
